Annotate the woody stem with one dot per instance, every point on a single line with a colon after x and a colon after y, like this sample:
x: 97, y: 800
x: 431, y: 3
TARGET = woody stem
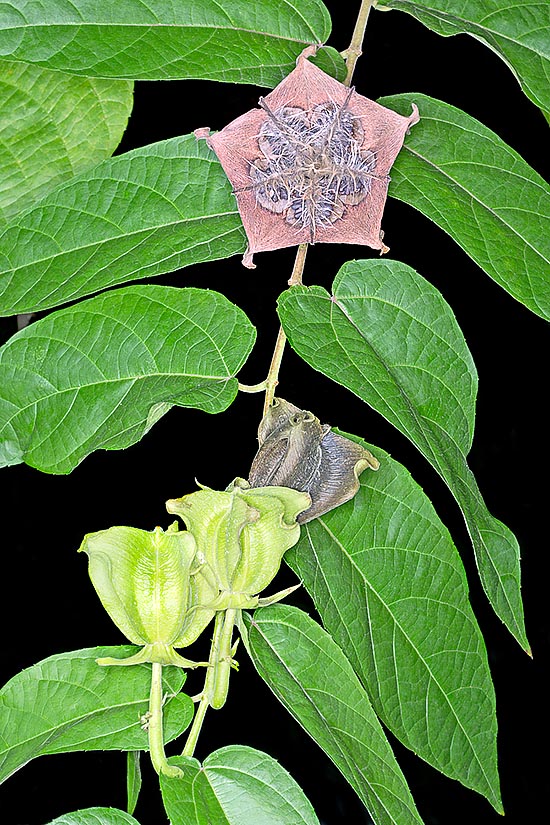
x: 354, y: 51
x: 273, y: 375
x: 351, y: 55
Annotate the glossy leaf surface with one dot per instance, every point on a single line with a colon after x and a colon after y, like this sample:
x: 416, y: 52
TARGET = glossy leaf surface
x: 140, y: 214
x: 391, y: 590
x: 65, y: 393
x: 388, y: 336
x: 226, y: 40
x: 236, y: 785
x: 518, y: 32
x: 312, y: 678
x: 69, y: 703
x: 466, y: 180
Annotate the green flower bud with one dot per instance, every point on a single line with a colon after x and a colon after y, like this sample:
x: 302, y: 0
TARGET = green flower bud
x: 151, y: 586
x: 242, y: 533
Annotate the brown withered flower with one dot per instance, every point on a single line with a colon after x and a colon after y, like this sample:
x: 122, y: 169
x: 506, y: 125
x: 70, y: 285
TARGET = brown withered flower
x: 297, y: 451
x: 311, y: 164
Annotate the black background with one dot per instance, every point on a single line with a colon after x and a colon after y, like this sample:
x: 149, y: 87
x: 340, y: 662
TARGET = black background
x: 55, y: 608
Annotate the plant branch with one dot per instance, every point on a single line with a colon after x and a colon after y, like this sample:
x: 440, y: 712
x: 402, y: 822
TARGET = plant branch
x: 154, y: 725
x: 351, y: 56
x: 355, y: 50
x: 209, y: 686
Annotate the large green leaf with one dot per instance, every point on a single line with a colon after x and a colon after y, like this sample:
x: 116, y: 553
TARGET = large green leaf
x: 95, y: 816
x: 389, y: 336
x: 150, y: 211
x: 465, y: 179
x: 53, y: 126
x: 236, y: 785
x: 100, y: 374
x: 310, y: 675
x: 226, y: 40
x: 391, y: 590
x: 518, y: 32
x: 70, y: 703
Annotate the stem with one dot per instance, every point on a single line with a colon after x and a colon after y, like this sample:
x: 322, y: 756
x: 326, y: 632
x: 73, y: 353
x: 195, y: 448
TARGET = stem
x: 209, y: 687
x: 223, y: 668
x: 252, y: 387
x: 352, y: 54
x: 273, y: 375
x: 156, y: 741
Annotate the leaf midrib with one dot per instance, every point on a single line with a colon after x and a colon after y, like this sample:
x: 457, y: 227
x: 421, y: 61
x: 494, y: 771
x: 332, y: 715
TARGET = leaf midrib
x: 169, y: 26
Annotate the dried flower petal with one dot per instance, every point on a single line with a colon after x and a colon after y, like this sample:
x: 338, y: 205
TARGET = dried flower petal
x: 297, y: 451
x: 311, y: 164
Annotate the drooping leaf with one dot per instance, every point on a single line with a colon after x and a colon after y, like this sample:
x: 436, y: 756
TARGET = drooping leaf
x: 95, y: 816
x: 236, y: 785
x: 133, y: 779
x: 389, y: 336
x: 53, y: 126
x: 69, y: 703
x: 466, y: 180
x: 143, y: 213
x: 391, y: 590
x: 225, y: 40
x: 312, y: 678
x: 518, y: 32
x: 100, y: 374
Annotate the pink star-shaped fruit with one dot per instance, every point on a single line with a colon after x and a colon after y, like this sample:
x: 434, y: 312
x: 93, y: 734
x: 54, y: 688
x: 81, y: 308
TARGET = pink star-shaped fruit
x: 311, y: 164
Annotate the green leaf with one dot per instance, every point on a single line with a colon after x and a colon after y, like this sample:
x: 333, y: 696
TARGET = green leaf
x: 310, y: 675
x: 227, y: 40
x: 133, y: 779
x: 390, y: 337
x: 95, y: 816
x: 69, y: 703
x: 235, y: 785
x: 391, y: 590
x: 518, y: 32
x: 53, y: 126
x: 465, y: 179
x: 140, y: 214
x: 100, y: 374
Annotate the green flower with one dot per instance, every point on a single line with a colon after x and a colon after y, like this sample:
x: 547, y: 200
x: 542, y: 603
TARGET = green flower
x: 150, y: 583
x: 242, y: 534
